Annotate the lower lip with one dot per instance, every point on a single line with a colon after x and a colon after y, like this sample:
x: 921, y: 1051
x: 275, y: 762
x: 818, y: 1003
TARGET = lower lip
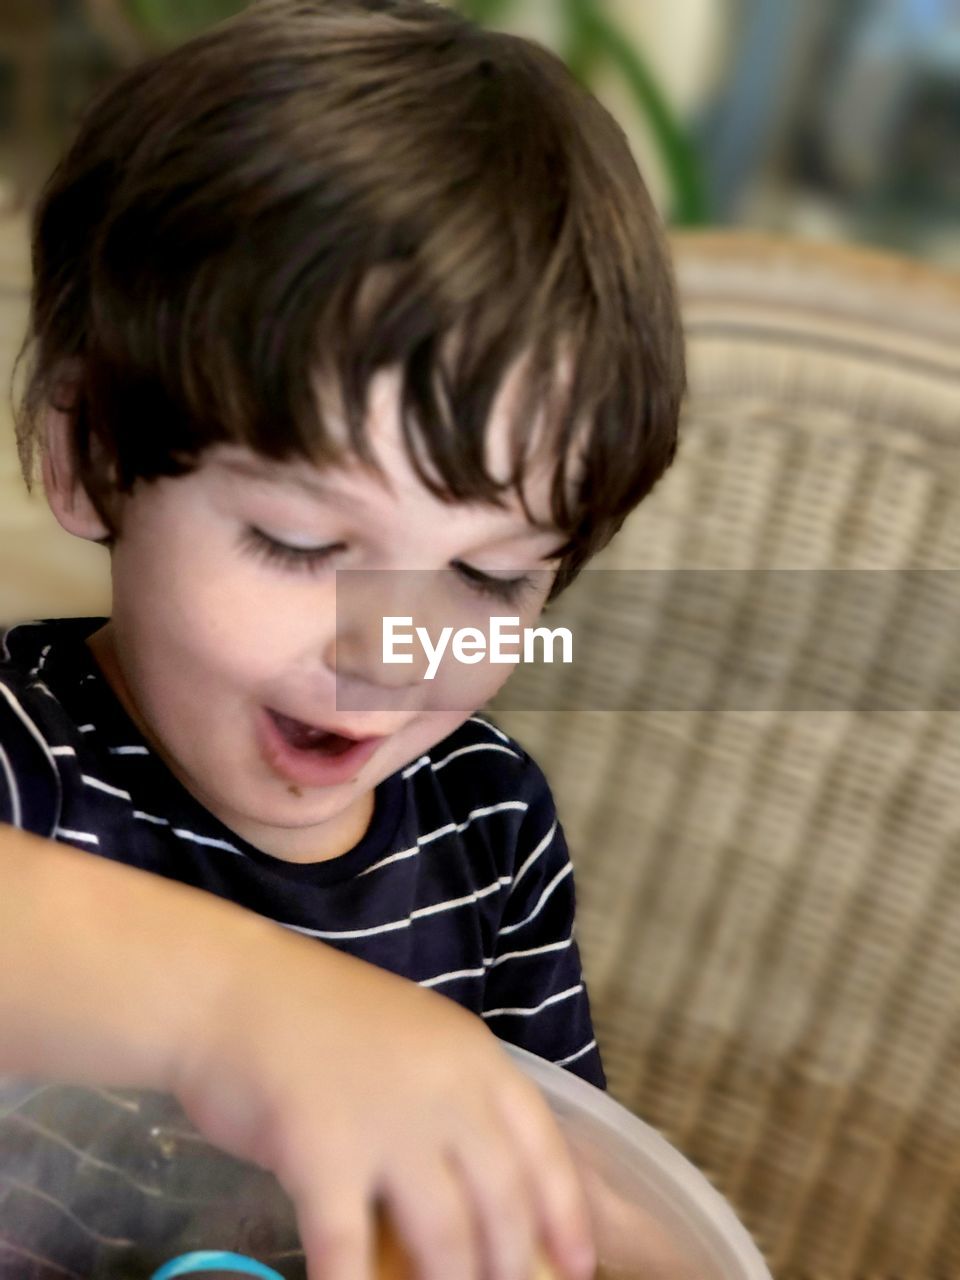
x: 310, y: 768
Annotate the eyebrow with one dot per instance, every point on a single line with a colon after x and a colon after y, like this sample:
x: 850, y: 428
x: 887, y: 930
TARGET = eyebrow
x: 316, y: 486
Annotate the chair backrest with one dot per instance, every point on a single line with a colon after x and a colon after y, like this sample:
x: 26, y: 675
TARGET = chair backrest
x: 770, y: 888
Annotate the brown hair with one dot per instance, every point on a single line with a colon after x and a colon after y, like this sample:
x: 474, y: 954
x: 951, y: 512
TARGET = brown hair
x: 348, y: 187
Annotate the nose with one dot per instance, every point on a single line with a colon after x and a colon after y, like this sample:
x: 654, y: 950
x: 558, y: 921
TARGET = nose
x: 381, y: 664
x: 355, y: 653
x: 356, y: 656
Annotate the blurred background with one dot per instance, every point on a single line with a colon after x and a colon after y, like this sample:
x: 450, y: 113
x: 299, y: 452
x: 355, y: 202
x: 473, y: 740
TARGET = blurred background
x: 836, y: 121
x: 822, y: 121
x: 768, y: 901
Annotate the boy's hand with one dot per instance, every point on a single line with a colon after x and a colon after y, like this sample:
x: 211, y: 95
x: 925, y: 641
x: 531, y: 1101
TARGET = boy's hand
x: 359, y: 1089
x: 635, y: 1243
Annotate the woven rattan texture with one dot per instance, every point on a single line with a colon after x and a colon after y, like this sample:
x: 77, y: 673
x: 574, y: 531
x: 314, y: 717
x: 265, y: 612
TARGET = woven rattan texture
x: 770, y: 899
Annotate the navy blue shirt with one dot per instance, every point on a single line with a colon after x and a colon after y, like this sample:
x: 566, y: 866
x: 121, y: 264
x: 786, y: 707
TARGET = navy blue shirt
x: 462, y: 882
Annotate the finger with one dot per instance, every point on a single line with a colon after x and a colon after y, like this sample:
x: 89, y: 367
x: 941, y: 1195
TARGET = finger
x: 336, y: 1229
x: 432, y: 1219
x: 499, y: 1193
x: 560, y: 1203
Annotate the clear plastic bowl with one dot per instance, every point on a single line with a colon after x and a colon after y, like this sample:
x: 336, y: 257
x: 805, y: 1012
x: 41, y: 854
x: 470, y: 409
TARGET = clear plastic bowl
x: 655, y: 1214
x: 110, y: 1184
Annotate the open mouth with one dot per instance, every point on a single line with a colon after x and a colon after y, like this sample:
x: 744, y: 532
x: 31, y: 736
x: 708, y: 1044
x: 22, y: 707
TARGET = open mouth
x: 307, y: 737
x: 309, y: 755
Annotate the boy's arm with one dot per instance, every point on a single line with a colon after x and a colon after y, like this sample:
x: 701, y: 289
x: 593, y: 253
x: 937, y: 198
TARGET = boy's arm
x: 105, y: 971
x: 355, y: 1087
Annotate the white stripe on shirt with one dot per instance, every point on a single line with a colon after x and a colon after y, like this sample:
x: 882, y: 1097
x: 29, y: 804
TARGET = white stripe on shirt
x: 536, y: 853
x: 532, y: 951
x: 482, y: 812
x: 474, y: 896
x: 451, y: 977
x: 447, y: 829
x: 424, y: 760
x: 528, y: 1013
x: 28, y: 723
x: 476, y: 746
x: 512, y: 928
x: 451, y: 904
x: 149, y: 817
x: 485, y: 724
x: 105, y: 786
x: 212, y: 841
x: 42, y: 661
x: 491, y: 964
x: 565, y: 1062
x: 400, y: 856
x: 85, y: 837
x: 348, y: 933
x: 16, y: 814
x: 413, y: 768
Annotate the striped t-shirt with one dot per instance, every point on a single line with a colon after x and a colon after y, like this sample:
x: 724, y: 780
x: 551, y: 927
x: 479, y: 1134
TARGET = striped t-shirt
x: 462, y: 881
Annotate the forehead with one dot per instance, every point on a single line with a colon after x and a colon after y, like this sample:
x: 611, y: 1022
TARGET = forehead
x: 394, y: 477
x: 349, y: 486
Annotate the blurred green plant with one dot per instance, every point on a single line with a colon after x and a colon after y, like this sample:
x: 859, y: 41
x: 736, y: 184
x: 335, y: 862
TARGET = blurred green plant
x: 591, y: 42
x: 170, y: 21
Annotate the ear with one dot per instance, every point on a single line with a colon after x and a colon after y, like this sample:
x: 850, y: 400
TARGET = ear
x: 66, y: 494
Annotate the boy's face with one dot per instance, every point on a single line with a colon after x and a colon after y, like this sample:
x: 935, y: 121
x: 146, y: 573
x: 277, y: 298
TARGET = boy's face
x: 220, y: 642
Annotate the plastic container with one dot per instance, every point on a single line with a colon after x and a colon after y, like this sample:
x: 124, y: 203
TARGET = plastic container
x: 104, y: 1184
x: 656, y: 1216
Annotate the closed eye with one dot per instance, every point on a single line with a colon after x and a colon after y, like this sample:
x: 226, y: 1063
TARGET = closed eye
x: 312, y: 559
x: 307, y: 559
x: 506, y: 589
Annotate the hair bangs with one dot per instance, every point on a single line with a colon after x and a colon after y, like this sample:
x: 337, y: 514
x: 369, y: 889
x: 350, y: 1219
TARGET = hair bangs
x: 251, y: 227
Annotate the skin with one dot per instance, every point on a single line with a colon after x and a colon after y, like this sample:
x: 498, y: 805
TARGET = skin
x: 205, y: 631
x: 275, y: 1044
x: 393, y: 1264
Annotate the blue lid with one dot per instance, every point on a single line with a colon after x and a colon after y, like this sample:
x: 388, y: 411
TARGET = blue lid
x: 189, y: 1264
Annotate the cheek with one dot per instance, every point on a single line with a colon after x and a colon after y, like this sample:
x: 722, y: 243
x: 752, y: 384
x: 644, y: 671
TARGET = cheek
x: 255, y: 623
x: 464, y: 685
x: 199, y: 609
x: 488, y: 680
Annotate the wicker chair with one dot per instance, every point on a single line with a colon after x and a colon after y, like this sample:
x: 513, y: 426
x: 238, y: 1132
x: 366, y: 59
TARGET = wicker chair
x: 770, y: 898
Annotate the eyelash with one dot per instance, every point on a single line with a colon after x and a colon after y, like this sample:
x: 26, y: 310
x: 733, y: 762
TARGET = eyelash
x: 506, y: 590
x: 308, y: 559
x: 312, y: 559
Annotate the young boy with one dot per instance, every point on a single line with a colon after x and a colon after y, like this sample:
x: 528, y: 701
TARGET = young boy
x: 334, y: 286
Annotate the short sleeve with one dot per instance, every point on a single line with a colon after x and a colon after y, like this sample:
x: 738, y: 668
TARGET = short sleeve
x: 535, y: 995
x: 29, y: 779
